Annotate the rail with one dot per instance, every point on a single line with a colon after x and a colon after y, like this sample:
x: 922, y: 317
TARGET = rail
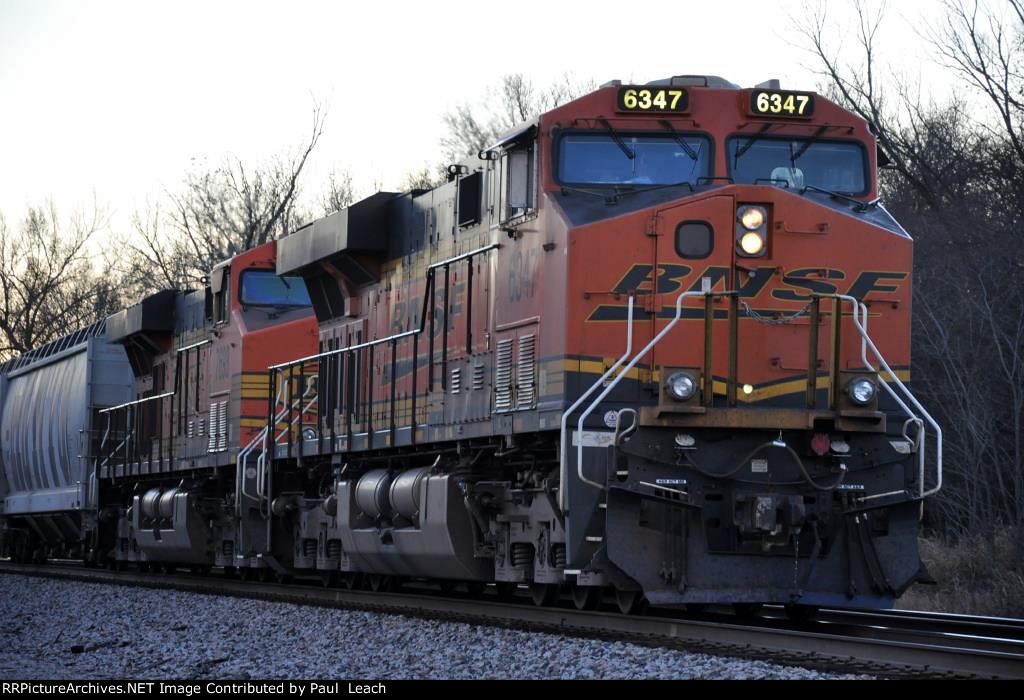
x: 890, y: 643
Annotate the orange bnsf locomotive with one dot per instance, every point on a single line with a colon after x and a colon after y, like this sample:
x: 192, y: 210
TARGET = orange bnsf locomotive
x: 649, y: 346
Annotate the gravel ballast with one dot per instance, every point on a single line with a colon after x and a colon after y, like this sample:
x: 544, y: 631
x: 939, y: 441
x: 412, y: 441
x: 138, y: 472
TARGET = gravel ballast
x: 55, y: 629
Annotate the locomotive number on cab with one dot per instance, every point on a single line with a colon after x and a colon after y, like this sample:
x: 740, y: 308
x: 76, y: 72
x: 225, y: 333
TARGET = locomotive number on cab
x: 782, y: 104
x: 648, y: 99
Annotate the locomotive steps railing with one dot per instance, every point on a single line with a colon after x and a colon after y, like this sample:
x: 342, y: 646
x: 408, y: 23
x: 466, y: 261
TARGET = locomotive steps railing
x: 338, y: 370
x: 884, y: 373
x: 134, y: 428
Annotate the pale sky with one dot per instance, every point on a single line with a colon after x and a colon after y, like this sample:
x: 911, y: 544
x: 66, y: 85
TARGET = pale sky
x: 117, y: 97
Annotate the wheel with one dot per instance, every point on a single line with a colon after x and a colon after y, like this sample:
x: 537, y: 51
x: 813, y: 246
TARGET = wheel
x: 230, y: 572
x: 475, y: 588
x: 282, y: 577
x: 350, y: 580
x: 746, y: 610
x: 447, y: 587
x: 629, y: 602
x: 543, y: 594
x: 170, y: 568
x: 265, y: 574
x: 801, y: 613
x: 380, y: 583
x: 329, y: 579
x: 586, y: 597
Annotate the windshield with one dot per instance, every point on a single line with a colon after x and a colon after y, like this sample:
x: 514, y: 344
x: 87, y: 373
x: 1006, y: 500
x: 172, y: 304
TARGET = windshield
x: 798, y: 163
x: 264, y: 288
x: 598, y: 159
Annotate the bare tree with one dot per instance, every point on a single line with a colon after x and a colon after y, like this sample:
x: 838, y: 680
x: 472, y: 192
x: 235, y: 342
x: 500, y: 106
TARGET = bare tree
x: 514, y: 100
x: 222, y: 211
x: 48, y: 284
x: 339, y: 193
x: 957, y: 183
x: 425, y: 178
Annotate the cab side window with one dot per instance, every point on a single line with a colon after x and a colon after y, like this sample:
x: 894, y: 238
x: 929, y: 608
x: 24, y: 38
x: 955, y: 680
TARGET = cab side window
x: 519, y: 179
x: 222, y: 297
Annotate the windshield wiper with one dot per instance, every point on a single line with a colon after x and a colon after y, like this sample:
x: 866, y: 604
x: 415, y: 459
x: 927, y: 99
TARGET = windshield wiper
x: 750, y: 142
x: 794, y: 156
x: 677, y: 137
x: 685, y: 183
x: 858, y: 204
x: 616, y: 138
x: 609, y: 199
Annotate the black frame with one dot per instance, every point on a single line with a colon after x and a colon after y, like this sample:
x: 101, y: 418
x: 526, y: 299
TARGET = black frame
x: 711, y: 239
x: 556, y: 152
x: 243, y: 302
x: 868, y: 181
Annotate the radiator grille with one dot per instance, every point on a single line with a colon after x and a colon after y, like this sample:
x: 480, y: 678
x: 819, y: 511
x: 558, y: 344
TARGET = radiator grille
x: 211, y: 445
x: 222, y: 436
x: 526, y: 369
x: 503, y: 377
x: 218, y: 427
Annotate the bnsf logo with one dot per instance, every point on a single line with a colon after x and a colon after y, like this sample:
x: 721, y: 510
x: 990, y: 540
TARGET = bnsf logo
x: 797, y: 285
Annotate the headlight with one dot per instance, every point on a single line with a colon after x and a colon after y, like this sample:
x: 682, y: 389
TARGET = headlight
x: 752, y: 243
x: 681, y: 386
x: 861, y: 391
x: 752, y: 218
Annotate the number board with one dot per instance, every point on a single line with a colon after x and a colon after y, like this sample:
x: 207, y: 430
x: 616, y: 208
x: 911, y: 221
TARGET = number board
x: 782, y: 103
x: 635, y: 98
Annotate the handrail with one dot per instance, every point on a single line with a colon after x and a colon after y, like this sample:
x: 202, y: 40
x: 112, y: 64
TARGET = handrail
x: 562, y: 490
x: 137, y: 402
x: 867, y: 343
x: 860, y: 321
x: 632, y: 363
x: 396, y: 336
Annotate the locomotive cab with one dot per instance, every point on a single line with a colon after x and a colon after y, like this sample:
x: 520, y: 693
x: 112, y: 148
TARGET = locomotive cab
x: 178, y: 459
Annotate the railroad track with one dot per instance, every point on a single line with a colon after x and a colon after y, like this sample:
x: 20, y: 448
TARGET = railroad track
x: 888, y: 643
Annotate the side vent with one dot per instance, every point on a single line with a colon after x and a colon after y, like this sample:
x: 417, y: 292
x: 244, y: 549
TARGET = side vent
x: 526, y: 370
x: 218, y: 427
x: 222, y: 437
x: 503, y: 377
x: 478, y: 377
x: 456, y: 382
x: 211, y: 446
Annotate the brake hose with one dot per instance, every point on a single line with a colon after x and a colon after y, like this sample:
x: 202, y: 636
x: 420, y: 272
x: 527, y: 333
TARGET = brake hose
x: 743, y: 462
